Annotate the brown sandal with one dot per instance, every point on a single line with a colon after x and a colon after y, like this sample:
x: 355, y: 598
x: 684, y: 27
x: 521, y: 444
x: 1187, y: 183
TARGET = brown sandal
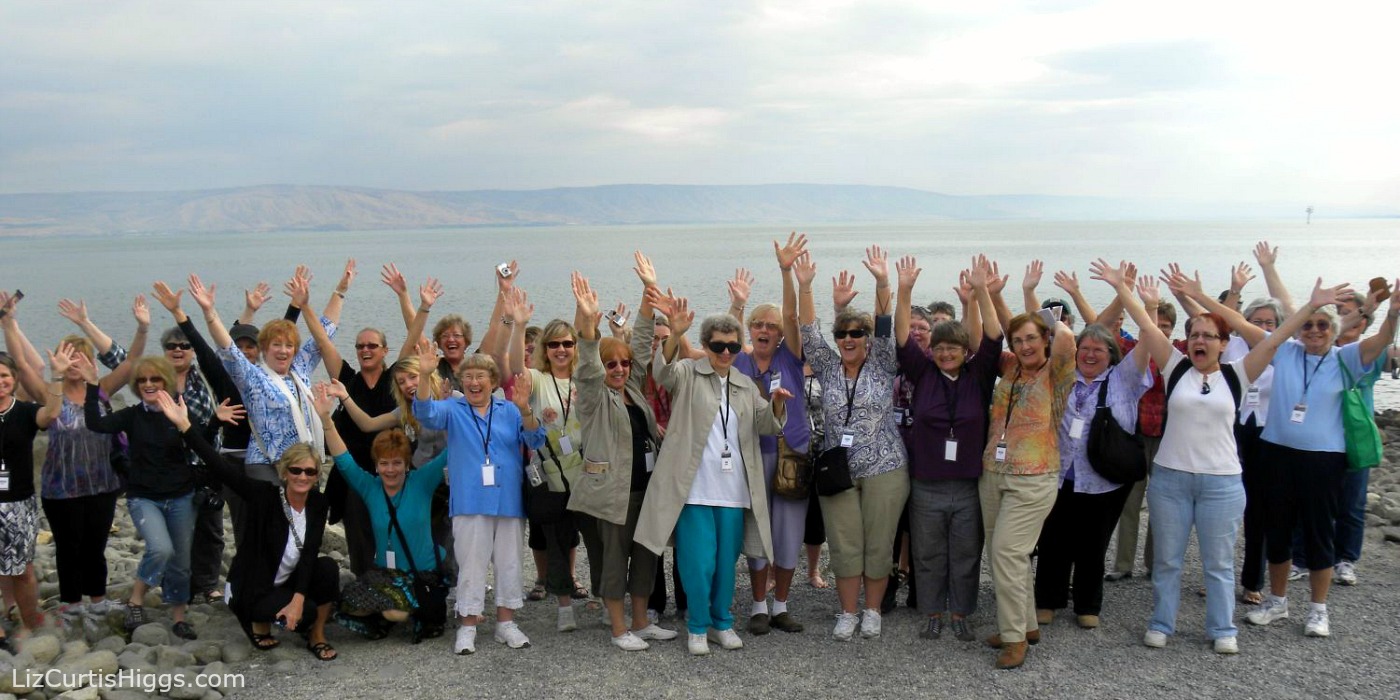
x: 322, y: 651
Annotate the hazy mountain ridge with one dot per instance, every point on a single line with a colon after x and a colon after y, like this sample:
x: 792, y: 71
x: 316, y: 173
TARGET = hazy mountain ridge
x: 296, y: 207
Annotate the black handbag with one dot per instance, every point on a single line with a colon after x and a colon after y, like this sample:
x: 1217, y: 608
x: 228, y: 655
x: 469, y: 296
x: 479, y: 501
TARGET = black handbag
x: 831, y: 473
x: 543, y: 504
x: 429, y: 587
x: 1116, y: 454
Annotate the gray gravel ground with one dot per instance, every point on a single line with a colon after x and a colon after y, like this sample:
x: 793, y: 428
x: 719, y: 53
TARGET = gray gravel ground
x: 1360, y: 660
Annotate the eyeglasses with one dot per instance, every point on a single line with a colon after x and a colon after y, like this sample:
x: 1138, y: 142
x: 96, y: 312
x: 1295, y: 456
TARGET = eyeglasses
x: 1321, y: 325
x: 303, y: 471
x: 614, y: 364
x: 1203, y: 336
x: 949, y: 350
x: 765, y: 326
x: 719, y: 347
x: 1265, y: 323
x: 853, y: 333
x: 149, y: 380
x: 368, y: 346
x: 1026, y: 340
x: 556, y: 344
x: 178, y: 346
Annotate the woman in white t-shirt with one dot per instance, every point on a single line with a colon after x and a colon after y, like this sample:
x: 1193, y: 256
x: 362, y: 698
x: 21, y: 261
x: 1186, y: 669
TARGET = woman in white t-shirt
x: 1196, y: 478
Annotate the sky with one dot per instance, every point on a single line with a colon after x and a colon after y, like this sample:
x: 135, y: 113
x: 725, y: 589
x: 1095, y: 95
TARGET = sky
x: 1215, y: 101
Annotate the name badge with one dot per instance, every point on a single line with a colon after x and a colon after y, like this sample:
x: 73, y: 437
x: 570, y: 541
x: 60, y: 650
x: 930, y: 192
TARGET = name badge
x: 1076, y: 428
x: 950, y: 450
x: 389, y: 560
x: 488, y: 473
x: 1001, y: 452
x: 1300, y: 412
x: 726, y: 462
x: 4, y: 477
x: 901, y: 416
x: 1251, y: 397
x: 776, y: 382
x: 848, y: 439
x: 566, y: 445
x: 651, y: 461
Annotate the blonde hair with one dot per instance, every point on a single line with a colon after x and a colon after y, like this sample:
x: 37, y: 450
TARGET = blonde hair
x: 409, y: 365
x: 558, y: 328
x: 294, y: 454
x: 80, y: 343
x: 157, y: 364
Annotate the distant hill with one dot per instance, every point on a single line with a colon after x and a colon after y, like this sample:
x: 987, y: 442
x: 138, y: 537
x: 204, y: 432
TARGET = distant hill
x: 293, y: 207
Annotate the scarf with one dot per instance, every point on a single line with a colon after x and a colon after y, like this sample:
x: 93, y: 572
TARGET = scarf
x: 304, y: 416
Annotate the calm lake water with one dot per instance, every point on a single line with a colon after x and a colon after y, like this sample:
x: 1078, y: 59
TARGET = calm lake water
x: 695, y: 260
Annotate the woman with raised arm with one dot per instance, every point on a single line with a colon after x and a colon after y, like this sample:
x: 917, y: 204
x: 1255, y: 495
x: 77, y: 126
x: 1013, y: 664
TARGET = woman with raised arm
x: 486, y: 472
x: 857, y: 380
x: 948, y: 428
x: 707, y: 488
x: 620, y: 444
x: 1196, y: 480
x: 20, y: 423
x: 277, y: 574
x: 1021, y: 467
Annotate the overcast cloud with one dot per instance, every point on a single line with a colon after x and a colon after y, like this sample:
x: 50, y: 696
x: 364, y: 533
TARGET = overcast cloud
x: 1222, y: 101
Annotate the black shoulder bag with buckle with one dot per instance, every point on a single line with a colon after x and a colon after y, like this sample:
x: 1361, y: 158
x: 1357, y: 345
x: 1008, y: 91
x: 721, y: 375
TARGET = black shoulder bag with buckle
x: 429, y: 587
x: 1116, y: 454
x: 831, y: 471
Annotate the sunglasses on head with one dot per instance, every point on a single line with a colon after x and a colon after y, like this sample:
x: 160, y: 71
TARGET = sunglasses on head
x: 614, y: 364
x: 149, y: 380
x: 178, y: 346
x: 720, y: 347
x: 1321, y: 324
x: 368, y: 346
x: 853, y: 333
x: 303, y: 471
x: 556, y: 344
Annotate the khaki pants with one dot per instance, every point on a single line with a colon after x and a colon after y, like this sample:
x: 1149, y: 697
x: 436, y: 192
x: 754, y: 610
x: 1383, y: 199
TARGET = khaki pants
x: 1131, y: 518
x: 860, y: 524
x: 1014, y: 509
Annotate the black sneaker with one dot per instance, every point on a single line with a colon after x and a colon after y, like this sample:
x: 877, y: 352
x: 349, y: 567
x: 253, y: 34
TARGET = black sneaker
x: 934, y: 630
x: 759, y: 624
x: 184, y: 630
x: 135, y: 617
x: 963, y: 631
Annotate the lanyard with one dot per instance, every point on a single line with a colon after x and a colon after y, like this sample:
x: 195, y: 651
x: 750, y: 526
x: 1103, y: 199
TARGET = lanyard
x: 851, y: 393
x: 564, y: 422
x: 485, y: 435
x: 724, y: 414
x: 950, y: 395
x: 1307, y: 381
x: 1012, y: 397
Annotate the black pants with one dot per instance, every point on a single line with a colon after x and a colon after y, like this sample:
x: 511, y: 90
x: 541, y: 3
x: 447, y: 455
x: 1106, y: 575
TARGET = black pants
x: 325, y: 588
x: 206, y: 550
x: 359, y: 533
x: 560, y: 537
x: 236, y: 507
x: 815, y: 534
x: 1255, y: 485
x: 80, y: 529
x: 1075, y: 538
x: 657, y: 601
x: 1304, y: 488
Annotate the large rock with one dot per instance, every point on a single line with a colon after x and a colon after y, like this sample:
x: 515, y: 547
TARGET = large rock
x: 152, y: 634
x: 78, y: 670
x: 89, y: 693
x: 13, y: 679
x: 185, y: 687
x: 111, y: 643
x: 237, y: 650
x: 205, y: 652
x: 171, y: 658
x: 44, y: 648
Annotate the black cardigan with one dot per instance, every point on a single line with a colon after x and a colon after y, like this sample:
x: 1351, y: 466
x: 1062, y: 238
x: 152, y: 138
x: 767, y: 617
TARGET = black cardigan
x: 158, y: 469
x: 265, y: 535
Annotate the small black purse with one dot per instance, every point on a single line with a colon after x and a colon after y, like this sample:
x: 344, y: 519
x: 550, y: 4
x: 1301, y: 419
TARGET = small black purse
x: 831, y: 472
x: 1116, y: 454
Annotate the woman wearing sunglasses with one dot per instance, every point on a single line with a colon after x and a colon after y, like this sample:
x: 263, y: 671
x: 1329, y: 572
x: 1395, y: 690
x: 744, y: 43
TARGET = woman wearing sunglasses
x: 708, y: 486
x: 621, y: 442
x: 1196, y: 479
x: 857, y: 378
x: 276, y: 576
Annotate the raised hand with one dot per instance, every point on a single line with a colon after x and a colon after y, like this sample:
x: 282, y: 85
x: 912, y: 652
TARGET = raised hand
x: 346, y: 277
x: 174, y: 410
x: 75, y: 312
x: 86, y: 368
x: 1130, y: 276
x: 393, y: 279
x: 997, y: 281
x: 1068, y: 281
x: 518, y: 306
x: 963, y: 288
x: 787, y: 254
x: 843, y: 290
x: 520, y: 392
x: 167, y: 297
x: 1148, y: 291
x: 140, y: 311
x: 584, y: 297
x: 739, y: 287
x: 645, y: 272
x: 907, y: 270
x: 778, y: 398
x: 1325, y: 296
x: 335, y: 389
x: 429, y: 292
x: 8, y: 304
x: 427, y: 357
x: 877, y: 262
x: 254, y: 298
x: 204, y: 296
x: 1034, y: 272
x: 1113, y: 275
x: 805, y: 268
x: 681, y: 316
x: 1240, y: 275
x: 299, y: 289
x: 230, y: 413
x: 659, y: 302
x: 1265, y: 255
x: 62, y: 359
x: 322, y: 399
x: 980, y: 274
x: 505, y: 283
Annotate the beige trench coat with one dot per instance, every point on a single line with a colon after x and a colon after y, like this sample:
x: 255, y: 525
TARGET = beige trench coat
x: 695, y: 400
x: 605, y: 485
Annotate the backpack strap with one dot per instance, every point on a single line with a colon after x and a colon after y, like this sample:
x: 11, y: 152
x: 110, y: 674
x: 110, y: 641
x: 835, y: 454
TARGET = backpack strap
x: 1232, y: 379
x: 1236, y: 386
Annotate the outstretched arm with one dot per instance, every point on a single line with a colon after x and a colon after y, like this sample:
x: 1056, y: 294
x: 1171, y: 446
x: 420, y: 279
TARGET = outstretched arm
x: 394, y: 280
x: 1267, y: 257
x: 299, y: 289
x: 1191, y: 287
x: 907, y: 271
x: 877, y: 262
x: 787, y: 257
x: 428, y: 294
x: 1150, y: 336
x: 1029, y: 282
x: 1373, y: 348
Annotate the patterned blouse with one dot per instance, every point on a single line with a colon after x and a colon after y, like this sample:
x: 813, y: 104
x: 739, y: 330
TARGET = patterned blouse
x: 78, y: 462
x: 1026, y: 415
x: 269, y: 414
x: 877, y: 447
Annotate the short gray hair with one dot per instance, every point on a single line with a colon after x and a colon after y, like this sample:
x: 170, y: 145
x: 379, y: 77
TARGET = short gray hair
x: 173, y: 335
x: 1101, y: 333
x: 1269, y: 303
x: 720, y: 323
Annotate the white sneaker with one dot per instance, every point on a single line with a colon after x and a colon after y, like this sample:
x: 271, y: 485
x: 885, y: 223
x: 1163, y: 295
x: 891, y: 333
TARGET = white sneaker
x: 1270, y: 610
x: 1316, y: 625
x: 1346, y: 573
x: 657, y: 632
x: 630, y: 642
x: 870, y: 624
x: 102, y: 607
x: 466, y: 641
x: 509, y: 634
x: 566, y: 619
x: 726, y: 639
x: 1297, y: 573
x: 1227, y: 645
x: 845, y: 626
x: 698, y: 645
x: 1155, y: 639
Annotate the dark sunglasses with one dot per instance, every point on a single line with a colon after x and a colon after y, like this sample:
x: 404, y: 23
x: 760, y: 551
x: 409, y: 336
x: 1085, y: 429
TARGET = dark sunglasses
x: 853, y: 333
x: 368, y: 346
x: 614, y: 364
x: 556, y: 344
x: 149, y: 380
x: 178, y: 346
x: 303, y: 471
x: 719, y: 347
x: 1321, y: 325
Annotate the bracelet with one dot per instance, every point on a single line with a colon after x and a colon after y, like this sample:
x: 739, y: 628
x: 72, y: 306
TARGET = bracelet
x: 508, y: 321
x: 340, y: 294
x: 425, y: 309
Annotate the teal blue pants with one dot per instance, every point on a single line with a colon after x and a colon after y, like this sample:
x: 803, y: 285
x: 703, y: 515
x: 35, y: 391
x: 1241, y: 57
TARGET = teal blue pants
x: 708, y: 542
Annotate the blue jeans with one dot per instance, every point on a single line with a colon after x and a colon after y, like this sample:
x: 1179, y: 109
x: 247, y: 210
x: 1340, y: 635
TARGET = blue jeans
x: 1214, y: 505
x: 167, y: 527
x: 708, y: 541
